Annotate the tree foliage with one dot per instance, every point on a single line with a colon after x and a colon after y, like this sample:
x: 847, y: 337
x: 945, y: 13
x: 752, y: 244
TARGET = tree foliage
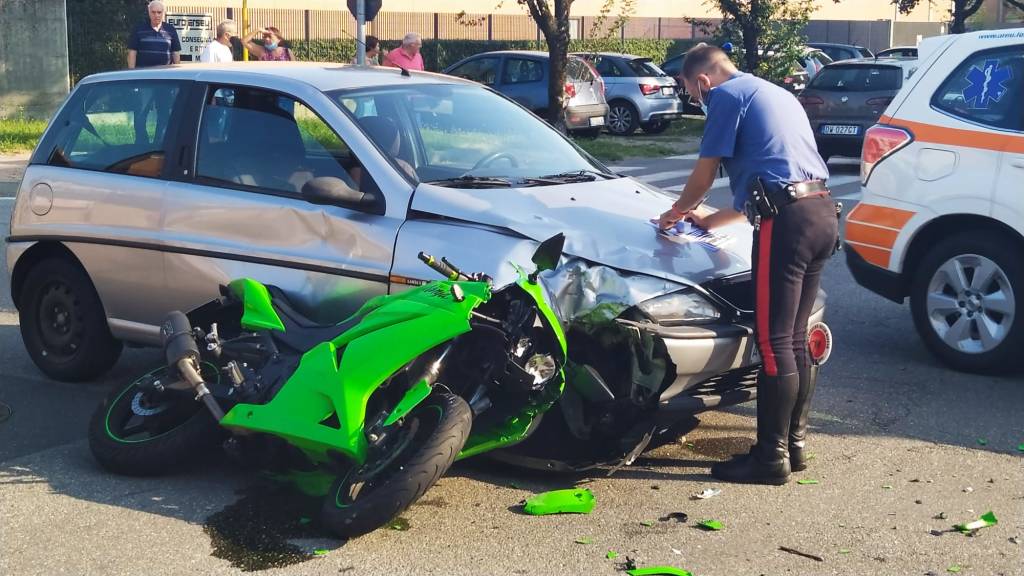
x: 961, y: 11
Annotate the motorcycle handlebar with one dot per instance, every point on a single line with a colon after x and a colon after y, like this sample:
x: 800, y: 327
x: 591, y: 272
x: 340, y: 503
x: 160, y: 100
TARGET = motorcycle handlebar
x: 440, y: 267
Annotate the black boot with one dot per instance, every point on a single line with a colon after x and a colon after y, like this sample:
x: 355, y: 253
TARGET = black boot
x: 798, y: 424
x: 768, y: 460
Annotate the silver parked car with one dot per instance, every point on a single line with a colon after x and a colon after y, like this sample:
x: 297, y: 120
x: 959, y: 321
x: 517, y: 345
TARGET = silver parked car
x: 639, y: 94
x: 152, y: 188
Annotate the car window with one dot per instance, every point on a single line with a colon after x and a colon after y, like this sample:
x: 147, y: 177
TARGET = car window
x: 606, y: 67
x: 840, y: 78
x: 574, y: 70
x: 865, y: 52
x: 482, y: 70
x: 986, y: 89
x: 271, y: 142
x: 118, y: 127
x: 645, y: 68
x: 520, y: 70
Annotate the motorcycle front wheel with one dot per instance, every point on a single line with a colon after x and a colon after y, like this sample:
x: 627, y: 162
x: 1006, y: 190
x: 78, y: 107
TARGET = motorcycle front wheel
x: 422, y: 450
x: 139, y: 432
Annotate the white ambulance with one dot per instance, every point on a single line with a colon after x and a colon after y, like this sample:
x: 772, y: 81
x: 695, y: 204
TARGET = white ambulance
x: 942, y: 215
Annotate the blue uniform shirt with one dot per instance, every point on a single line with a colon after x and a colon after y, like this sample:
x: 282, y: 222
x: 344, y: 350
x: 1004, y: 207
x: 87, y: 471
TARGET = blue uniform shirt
x: 759, y: 129
x: 153, y: 47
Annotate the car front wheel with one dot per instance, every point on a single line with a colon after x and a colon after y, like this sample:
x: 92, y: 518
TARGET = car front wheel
x: 963, y: 300
x: 623, y: 118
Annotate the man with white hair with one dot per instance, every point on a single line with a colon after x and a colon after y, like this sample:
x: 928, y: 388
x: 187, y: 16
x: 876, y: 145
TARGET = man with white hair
x: 407, y: 56
x: 219, y: 50
x: 154, y: 42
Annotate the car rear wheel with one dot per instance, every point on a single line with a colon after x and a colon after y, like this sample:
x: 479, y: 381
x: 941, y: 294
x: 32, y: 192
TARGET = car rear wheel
x: 63, y: 323
x: 963, y: 300
x: 656, y: 127
x: 623, y: 118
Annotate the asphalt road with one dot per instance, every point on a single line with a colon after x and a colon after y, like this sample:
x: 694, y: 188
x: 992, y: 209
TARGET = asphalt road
x: 898, y: 441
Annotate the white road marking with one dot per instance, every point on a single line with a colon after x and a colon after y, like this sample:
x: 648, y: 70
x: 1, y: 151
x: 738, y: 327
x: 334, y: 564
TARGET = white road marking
x: 626, y: 168
x: 660, y: 176
x: 693, y: 156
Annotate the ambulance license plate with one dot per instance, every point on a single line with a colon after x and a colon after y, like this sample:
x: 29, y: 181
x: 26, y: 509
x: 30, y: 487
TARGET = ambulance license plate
x: 840, y: 130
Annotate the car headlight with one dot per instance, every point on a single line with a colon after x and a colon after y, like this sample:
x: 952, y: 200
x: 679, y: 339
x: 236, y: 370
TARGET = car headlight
x: 684, y: 307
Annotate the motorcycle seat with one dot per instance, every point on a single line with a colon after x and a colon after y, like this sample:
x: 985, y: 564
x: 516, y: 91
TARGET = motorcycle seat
x: 301, y: 332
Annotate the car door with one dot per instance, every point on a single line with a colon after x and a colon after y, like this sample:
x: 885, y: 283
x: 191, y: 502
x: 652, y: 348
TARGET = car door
x: 482, y: 69
x: 97, y: 185
x: 524, y: 80
x: 239, y: 211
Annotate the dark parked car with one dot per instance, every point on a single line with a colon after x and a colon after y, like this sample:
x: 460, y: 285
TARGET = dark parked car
x: 639, y: 94
x: 846, y: 98
x: 898, y: 52
x: 523, y: 76
x: 839, y: 52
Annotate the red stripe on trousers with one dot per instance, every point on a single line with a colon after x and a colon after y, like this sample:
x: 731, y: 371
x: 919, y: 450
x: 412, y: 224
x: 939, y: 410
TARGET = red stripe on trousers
x: 763, y: 288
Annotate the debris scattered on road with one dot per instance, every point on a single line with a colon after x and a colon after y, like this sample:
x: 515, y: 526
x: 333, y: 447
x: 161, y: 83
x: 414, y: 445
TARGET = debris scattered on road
x: 916, y: 480
x: 305, y: 520
x: 320, y: 552
x: 887, y: 487
x: 570, y: 501
x: 676, y: 551
x: 658, y: 571
x: 712, y: 525
x: 968, y: 490
x: 680, y: 517
x: 986, y: 520
x: 611, y: 555
x: 400, y: 524
x: 706, y: 493
x: 982, y: 442
x: 844, y: 550
x: 646, y: 523
x: 1020, y: 447
x: 629, y: 564
x: 655, y: 487
x: 953, y: 569
x: 940, y: 516
x: 814, y: 557
x: 935, y: 532
x: 584, y: 540
x: 1014, y: 539
x: 807, y: 481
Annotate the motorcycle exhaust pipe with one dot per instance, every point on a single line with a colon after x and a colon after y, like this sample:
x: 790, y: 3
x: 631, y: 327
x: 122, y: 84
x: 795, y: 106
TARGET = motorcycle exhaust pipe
x: 182, y: 352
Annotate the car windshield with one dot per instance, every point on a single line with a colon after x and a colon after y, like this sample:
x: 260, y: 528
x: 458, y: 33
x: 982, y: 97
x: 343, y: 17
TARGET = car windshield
x: 838, y: 78
x: 644, y: 67
x: 446, y: 132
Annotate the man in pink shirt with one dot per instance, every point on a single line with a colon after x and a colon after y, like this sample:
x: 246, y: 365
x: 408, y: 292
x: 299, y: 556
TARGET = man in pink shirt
x: 406, y: 56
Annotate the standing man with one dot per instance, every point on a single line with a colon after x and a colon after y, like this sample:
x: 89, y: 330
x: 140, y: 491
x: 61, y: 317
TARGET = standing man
x: 219, y: 50
x: 407, y: 56
x: 154, y: 42
x: 762, y: 136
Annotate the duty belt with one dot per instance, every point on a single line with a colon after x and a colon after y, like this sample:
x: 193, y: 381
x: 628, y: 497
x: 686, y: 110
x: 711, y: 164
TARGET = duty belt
x: 765, y: 201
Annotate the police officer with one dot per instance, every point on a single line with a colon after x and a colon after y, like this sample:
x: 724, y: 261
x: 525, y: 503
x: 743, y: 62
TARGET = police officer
x: 760, y: 133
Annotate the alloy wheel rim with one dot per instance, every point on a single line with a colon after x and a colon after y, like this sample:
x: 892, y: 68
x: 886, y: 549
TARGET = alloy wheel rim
x: 970, y: 304
x: 619, y: 118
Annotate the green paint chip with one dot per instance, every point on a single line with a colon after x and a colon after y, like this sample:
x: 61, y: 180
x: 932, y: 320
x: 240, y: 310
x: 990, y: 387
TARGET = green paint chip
x: 320, y: 552
x: 713, y: 525
x: 584, y: 540
x: 844, y: 550
x: 571, y: 501
x: 611, y: 555
x: 807, y: 481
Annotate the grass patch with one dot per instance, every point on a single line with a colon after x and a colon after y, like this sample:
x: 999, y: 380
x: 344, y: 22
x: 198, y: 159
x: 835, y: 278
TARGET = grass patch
x: 19, y: 134
x: 611, y: 148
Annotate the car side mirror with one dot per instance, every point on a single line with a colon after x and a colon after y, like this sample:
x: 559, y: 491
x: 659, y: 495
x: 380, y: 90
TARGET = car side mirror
x: 549, y: 253
x: 329, y: 190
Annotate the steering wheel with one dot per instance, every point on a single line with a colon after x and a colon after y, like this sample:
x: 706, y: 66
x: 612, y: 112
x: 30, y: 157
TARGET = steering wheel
x: 492, y: 158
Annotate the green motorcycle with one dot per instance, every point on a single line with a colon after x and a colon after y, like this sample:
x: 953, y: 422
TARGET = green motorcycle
x: 368, y: 413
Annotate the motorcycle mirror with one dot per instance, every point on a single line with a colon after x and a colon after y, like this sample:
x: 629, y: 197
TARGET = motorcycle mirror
x: 336, y: 192
x: 548, y: 253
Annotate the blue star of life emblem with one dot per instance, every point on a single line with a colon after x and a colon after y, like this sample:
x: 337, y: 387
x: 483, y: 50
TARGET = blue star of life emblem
x: 988, y: 84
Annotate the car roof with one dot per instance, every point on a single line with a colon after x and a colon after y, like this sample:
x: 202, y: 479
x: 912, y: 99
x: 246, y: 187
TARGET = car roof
x: 612, y: 55
x: 534, y: 53
x: 324, y: 76
x: 831, y: 44
x: 900, y: 62
x: 899, y: 48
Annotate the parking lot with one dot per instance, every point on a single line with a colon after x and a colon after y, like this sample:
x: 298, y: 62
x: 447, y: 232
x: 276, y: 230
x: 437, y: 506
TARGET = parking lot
x: 903, y: 447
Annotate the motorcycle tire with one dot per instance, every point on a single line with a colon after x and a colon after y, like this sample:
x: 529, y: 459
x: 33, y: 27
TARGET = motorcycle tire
x: 168, y: 434
x: 361, y: 502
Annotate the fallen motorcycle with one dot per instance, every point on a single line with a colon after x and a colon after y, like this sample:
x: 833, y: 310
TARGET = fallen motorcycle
x: 380, y: 405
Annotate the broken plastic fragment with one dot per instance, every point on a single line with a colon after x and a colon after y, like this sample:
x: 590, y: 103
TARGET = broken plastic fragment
x: 1014, y: 539
x: 658, y: 571
x: 986, y: 520
x: 982, y: 442
x: 584, y: 540
x: 647, y: 523
x: 1020, y: 447
x: 710, y: 525
x: 305, y: 520
x: 400, y: 524
x: 677, y: 551
x: 844, y: 550
x: 807, y: 481
x: 611, y: 555
x: 940, y: 516
x: 707, y: 493
x: 681, y: 517
x: 320, y: 552
x: 953, y: 569
x: 968, y: 490
x: 571, y: 501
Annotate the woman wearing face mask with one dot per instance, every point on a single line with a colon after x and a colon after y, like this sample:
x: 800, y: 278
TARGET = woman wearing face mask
x: 269, y: 47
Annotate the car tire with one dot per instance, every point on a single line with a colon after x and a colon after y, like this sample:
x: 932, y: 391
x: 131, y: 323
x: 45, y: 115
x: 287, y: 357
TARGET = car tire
x: 954, y: 319
x: 623, y: 119
x: 656, y: 127
x: 63, y: 324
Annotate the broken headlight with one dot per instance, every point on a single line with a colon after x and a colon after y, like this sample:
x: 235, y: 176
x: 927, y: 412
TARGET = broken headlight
x: 684, y: 307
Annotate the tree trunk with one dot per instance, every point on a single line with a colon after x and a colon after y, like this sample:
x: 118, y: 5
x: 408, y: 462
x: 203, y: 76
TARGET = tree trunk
x: 962, y: 10
x: 751, y: 59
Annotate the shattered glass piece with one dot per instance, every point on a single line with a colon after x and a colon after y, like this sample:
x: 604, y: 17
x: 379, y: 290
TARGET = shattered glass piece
x: 658, y: 571
x: 676, y: 551
x: 713, y: 525
x: 707, y: 493
x: 570, y: 501
x: 584, y: 540
x: 807, y: 481
x: 987, y: 519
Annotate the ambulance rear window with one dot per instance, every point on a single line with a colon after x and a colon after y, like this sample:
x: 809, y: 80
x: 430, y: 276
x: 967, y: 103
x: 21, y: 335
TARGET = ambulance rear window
x: 986, y: 89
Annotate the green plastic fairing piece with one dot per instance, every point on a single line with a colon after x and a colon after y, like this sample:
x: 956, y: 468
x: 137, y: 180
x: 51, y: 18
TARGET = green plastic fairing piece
x: 658, y: 571
x: 571, y: 501
x: 412, y: 398
x: 257, y: 309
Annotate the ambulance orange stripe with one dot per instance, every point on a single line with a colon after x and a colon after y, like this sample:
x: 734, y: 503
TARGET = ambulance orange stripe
x: 880, y: 216
x: 864, y: 234
x: 877, y: 256
x: 958, y: 137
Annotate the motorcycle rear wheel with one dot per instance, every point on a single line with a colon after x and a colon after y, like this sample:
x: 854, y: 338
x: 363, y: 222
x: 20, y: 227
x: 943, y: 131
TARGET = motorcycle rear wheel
x: 431, y: 437
x: 139, y: 433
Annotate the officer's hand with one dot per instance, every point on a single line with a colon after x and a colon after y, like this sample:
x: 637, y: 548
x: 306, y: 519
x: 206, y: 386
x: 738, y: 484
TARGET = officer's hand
x: 669, y: 218
x: 699, y: 220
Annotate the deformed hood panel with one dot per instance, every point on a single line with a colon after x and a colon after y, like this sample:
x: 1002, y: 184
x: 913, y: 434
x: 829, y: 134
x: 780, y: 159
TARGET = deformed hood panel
x: 606, y: 222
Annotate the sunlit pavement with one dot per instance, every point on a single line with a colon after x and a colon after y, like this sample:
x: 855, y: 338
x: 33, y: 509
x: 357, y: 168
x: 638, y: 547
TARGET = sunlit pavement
x: 898, y: 440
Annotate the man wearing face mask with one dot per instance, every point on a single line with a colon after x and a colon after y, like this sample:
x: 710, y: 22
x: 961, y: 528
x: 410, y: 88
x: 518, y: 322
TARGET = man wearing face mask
x: 761, y: 135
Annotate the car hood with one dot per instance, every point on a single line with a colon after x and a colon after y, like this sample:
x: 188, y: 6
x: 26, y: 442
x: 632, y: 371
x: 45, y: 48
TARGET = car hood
x: 606, y: 222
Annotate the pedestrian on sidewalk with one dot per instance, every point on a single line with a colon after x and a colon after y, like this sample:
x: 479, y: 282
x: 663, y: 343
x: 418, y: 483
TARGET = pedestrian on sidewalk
x: 407, y: 56
x: 219, y: 49
x: 759, y: 132
x: 270, y: 47
x: 154, y: 42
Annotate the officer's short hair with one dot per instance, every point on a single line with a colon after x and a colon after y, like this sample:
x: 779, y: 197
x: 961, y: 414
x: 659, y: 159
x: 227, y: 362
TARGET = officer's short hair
x: 699, y: 58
